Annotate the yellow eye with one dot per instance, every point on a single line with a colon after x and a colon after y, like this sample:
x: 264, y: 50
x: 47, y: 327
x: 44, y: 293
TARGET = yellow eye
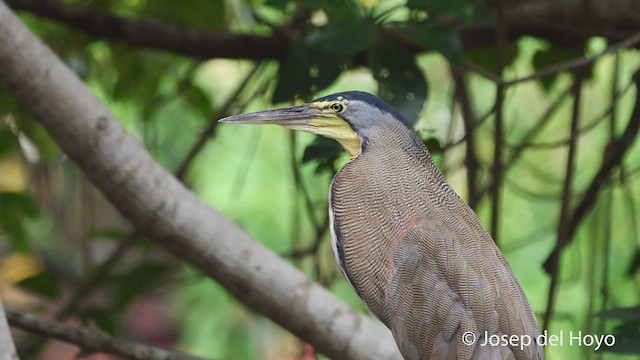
x: 337, y: 107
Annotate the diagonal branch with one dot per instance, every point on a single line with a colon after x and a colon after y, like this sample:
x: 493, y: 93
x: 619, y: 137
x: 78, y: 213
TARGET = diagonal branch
x: 567, y: 194
x: 164, y: 210
x: 7, y: 347
x: 632, y: 41
x: 613, y: 154
x: 90, y: 341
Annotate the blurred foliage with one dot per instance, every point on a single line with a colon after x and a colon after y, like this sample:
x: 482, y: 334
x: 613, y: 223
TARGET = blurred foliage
x: 275, y: 184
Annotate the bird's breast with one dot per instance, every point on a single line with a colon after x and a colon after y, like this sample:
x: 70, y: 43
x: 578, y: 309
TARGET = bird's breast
x: 374, y: 200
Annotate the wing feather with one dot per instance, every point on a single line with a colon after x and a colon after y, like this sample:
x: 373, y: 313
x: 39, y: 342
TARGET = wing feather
x: 430, y: 309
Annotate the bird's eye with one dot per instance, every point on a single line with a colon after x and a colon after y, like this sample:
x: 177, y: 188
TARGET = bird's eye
x: 337, y: 107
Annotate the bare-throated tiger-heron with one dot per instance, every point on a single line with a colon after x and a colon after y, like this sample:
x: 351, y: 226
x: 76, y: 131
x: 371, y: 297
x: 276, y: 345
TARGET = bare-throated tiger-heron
x: 411, y: 248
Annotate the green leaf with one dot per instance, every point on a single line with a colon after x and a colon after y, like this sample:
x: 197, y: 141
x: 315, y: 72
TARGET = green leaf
x: 346, y: 39
x: 305, y: 71
x: 433, y: 145
x: 321, y: 149
x: 434, y: 7
x: 552, y: 56
x: 139, y: 280
x: 112, y: 234
x: 631, y: 313
x: 191, y: 13
x: 14, y: 208
x: 400, y: 81
x: 278, y: 4
x: 44, y: 284
x: 440, y: 38
x: 635, y: 264
x: 337, y: 11
x: 315, y: 62
x: 47, y: 148
x: 103, y: 319
x: 469, y: 11
x: 627, y: 334
x: 485, y: 56
x: 627, y: 338
x: 200, y: 102
x: 8, y: 140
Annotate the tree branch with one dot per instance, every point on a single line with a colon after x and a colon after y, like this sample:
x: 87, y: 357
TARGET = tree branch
x: 461, y: 92
x: 199, y: 43
x: 631, y: 41
x: 202, y: 43
x: 164, y: 210
x: 497, y: 171
x: 613, y: 154
x: 7, y: 347
x: 90, y: 341
x: 567, y: 195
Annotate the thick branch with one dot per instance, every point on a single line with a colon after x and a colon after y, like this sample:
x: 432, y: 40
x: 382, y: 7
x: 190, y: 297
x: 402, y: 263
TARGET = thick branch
x: 199, y: 43
x: 163, y: 209
x: 7, y: 347
x: 548, y: 19
x: 90, y: 341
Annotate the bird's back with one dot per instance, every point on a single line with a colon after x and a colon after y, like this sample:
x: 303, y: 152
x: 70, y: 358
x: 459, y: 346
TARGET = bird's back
x: 420, y: 258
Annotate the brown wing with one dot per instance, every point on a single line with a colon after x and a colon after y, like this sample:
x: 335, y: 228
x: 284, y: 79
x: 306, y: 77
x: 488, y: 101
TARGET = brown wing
x: 439, y: 290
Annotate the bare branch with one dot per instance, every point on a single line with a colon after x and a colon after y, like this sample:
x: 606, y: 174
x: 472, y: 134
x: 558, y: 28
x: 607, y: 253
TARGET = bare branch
x: 612, y: 157
x: 194, y: 42
x: 497, y: 170
x: 613, y: 154
x: 202, y: 43
x: 573, y: 64
x: 469, y: 120
x: 7, y: 347
x: 579, y: 62
x: 567, y: 194
x: 91, y: 341
x: 87, y: 286
x: 164, y: 210
x: 210, y: 130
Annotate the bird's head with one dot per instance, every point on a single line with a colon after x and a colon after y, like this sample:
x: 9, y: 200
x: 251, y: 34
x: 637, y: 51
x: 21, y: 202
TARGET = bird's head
x: 348, y: 117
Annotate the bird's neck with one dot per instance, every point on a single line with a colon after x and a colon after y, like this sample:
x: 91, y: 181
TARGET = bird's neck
x: 371, y: 201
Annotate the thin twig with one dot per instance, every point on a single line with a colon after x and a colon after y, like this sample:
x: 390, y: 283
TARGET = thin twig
x: 90, y: 341
x: 555, y: 68
x: 567, y: 193
x: 468, y: 118
x: 299, y: 184
x: 518, y: 189
x: 517, y: 149
x: 209, y: 131
x: 497, y: 169
x: 613, y: 124
x: 583, y: 129
x: 613, y: 154
x: 480, y: 120
x: 87, y: 286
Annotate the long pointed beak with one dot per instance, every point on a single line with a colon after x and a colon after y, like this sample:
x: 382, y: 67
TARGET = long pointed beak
x: 307, y: 118
x: 295, y: 117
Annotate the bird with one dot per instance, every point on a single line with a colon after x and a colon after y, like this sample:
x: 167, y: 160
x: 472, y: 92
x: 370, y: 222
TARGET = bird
x: 411, y: 248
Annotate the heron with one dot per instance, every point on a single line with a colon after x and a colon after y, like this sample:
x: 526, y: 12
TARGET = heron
x: 410, y: 247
